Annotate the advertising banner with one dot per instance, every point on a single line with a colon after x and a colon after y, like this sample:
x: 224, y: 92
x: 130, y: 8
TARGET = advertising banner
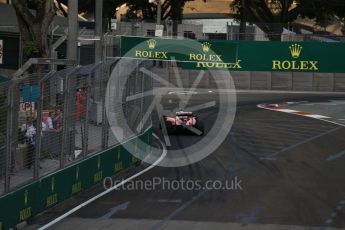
x: 286, y: 56
x: 323, y: 57
x: 178, y: 49
x: 40, y: 195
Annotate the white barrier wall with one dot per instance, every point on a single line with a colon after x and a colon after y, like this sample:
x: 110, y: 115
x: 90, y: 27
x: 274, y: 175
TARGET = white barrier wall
x: 297, y: 81
x: 302, y: 81
x: 339, y: 82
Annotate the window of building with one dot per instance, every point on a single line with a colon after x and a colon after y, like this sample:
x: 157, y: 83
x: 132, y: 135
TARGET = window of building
x: 189, y: 34
x: 150, y: 33
x: 217, y: 36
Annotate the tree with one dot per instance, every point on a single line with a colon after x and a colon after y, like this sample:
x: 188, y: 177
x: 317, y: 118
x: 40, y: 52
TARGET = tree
x: 243, y: 19
x: 34, y: 18
x: 109, y: 9
x: 88, y: 6
x: 137, y: 9
x: 272, y: 15
x: 145, y: 10
x: 142, y: 9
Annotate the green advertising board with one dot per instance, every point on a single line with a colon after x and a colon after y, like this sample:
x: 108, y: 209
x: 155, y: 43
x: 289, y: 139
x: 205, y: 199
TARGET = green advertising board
x: 248, y: 55
x: 38, y: 196
x: 177, y: 49
x: 286, y: 56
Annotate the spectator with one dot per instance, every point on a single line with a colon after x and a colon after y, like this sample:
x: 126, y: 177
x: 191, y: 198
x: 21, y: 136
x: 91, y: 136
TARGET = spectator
x: 43, y: 128
x: 49, y: 121
x: 80, y: 104
x: 25, y: 125
x: 31, y: 139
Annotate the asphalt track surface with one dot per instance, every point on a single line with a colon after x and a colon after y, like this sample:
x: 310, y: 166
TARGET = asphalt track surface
x: 280, y: 159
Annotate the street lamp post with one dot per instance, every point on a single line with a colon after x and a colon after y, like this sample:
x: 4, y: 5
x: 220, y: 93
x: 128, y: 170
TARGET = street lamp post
x: 72, y: 29
x: 159, y: 10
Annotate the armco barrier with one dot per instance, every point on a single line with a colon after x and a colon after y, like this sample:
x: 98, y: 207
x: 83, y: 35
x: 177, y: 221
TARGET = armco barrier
x: 38, y: 196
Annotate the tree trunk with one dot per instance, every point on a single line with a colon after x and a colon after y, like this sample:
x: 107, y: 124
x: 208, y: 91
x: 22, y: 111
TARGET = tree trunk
x: 176, y: 11
x: 175, y: 28
x: 242, y: 33
x: 273, y: 31
x: 34, y: 27
x: 40, y: 34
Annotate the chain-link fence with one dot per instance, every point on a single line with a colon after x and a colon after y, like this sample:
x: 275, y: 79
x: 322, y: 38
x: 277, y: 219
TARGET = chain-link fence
x: 51, y: 120
x: 229, y: 29
x: 4, y: 105
x: 133, y: 86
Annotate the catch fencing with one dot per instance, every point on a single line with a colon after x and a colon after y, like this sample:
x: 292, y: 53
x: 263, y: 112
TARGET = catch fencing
x: 52, y: 120
x: 56, y: 139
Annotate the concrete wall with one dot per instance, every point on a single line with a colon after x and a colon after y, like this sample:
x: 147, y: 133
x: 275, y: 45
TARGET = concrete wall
x: 260, y: 80
x: 142, y: 28
x: 339, y: 82
x: 241, y: 79
x: 323, y: 82
x: 302, y: 81
x: 295, y: 81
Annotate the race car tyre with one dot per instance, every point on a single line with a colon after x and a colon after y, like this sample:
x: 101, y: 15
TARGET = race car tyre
x: 200, y: 126
x: 169, y: 127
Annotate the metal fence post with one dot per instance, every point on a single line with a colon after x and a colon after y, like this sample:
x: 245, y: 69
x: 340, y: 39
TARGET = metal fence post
x: 87, y: 117
x: 38, y: 132
x: 65, y: 127
x: 141, y: 75
x: 9, y: 137
x: 39, y: 125
x: 105, y: 125
x: 64, y: 122
x: 85, y: 137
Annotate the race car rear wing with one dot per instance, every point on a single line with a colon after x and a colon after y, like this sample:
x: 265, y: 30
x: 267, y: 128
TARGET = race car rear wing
x: 183, y: 113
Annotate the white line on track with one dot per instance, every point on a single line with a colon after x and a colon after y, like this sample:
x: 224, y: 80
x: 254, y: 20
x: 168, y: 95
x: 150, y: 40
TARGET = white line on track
x: 332, y: 122
x: 287, y: 110
x: 317, y: 116
x: 294, y: 112
x: 336, y: 156
x: 169, y: 201
x: 109, y: 190
x: 274, y: 155
x: 313, y: 116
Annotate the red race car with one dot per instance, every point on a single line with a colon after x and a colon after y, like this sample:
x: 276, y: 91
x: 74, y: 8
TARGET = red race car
x: 183, y: 121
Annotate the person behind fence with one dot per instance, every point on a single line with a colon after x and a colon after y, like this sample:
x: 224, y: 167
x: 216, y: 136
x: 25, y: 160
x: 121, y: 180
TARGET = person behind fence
x: 80, y: 104
x: 57, y: 120
x: 49, y: 121
x: 44, y: 127
x: 31, y: 140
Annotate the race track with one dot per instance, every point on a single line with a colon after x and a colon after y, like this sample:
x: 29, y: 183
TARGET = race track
x: 280, y: 159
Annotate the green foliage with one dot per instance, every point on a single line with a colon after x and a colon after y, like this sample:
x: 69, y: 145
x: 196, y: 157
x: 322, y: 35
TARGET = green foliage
x: 137, y: 9
x: 145, y: 10
x: 88, y: 6
x: 30, y: 49
x: 34, y: 18
x: 288, y: 10
x: 272, y: 15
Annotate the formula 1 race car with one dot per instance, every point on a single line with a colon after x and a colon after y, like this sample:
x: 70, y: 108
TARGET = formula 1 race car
x: 183, y: 121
